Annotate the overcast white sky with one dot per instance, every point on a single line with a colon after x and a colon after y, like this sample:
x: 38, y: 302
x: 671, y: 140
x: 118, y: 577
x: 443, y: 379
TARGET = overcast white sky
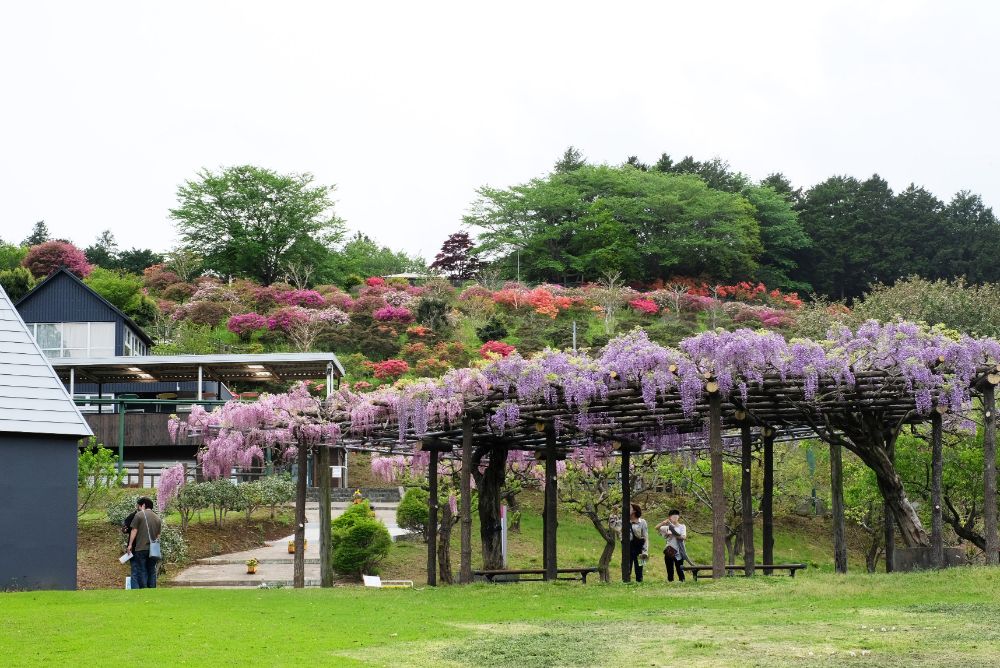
x: 408, y: 107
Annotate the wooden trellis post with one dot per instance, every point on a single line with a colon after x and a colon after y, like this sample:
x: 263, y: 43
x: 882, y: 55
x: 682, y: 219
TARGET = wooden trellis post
x: 299, y: 561
x: 323, y: 472
x: 718, y: 481
x: 767, y: 498
x: 626, y: 523
x: 889, y: 528
x: 746, y: 494
x: 465, y: 568
x: 432, y: 517
x: 937, y: 470
x: 990, y: 471
x: 550, y: 518
x: 837, y: 503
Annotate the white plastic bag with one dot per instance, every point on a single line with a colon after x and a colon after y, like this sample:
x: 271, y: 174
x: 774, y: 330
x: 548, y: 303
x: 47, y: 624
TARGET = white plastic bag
x: 128, y: 582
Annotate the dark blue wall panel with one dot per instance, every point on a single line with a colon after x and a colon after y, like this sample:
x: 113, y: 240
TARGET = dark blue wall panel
x: 37, y: 512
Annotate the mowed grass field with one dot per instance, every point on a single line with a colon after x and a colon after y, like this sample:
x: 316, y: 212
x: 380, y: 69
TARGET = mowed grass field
x: 950, y: 618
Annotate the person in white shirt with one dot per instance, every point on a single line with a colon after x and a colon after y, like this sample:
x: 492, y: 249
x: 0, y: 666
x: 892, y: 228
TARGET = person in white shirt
x: 639, y: 541
x: 675, y: 534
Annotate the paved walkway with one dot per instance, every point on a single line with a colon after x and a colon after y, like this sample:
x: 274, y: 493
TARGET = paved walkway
x: 275, y: 563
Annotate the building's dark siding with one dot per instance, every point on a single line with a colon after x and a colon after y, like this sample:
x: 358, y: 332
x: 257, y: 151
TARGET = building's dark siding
x: 187, y: 387
x: 64, y: 300
x: 37, y: 511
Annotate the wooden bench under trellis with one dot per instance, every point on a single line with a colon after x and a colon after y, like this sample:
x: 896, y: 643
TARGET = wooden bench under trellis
x: 738, y: 568
x: 575, y: 573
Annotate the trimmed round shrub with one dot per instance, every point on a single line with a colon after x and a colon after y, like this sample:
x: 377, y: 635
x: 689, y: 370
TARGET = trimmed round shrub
x: 47, y: 257
x: 361, y: 548
x: 412, y: 513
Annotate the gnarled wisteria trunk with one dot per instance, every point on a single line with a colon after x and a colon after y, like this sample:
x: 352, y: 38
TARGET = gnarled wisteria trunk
x: 489, y: 484
x: 870, y: 439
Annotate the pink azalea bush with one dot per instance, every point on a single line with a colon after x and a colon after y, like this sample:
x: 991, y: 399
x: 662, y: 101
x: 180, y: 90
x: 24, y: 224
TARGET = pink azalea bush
x: 246, y: 324
x: 389, y: 313
x: 50, y: 256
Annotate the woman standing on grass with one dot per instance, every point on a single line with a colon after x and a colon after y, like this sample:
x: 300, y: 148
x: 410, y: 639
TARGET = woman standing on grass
x: 638, y: 541
x: 674, y: 553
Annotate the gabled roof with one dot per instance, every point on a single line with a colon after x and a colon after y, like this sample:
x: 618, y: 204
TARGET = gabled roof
x: 63, y: 271
x: 32, y: 398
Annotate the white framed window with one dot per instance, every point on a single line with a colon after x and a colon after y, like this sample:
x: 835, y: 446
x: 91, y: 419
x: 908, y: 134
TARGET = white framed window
x: 74, y: 339
x: 133, y: 345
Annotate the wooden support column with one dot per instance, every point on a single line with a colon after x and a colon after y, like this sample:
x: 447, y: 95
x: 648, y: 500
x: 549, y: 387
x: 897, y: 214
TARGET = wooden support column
x: 767, y: 498
x: 626, y: 521
x: 142, y: 476
x: 718, y: 482
x: 465, y: 510
x: 837, y: 502
x: 550, y: 520
x: 323, y: 474
x: 432, y: 517
x: 990, y: 475
x: 890, y: 528
x: 937, y: 471
x: 746, y: 496
x: 299, y: 562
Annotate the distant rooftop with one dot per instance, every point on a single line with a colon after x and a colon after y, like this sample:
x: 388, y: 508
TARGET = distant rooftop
x: 262, y: 367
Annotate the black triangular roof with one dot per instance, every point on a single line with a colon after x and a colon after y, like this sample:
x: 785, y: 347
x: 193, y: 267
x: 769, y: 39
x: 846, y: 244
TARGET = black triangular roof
x: 63, y: 270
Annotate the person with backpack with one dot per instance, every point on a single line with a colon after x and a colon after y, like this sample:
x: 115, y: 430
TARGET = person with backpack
x: 144, y: 544
x: 638, y: 541
x: 674, y: 553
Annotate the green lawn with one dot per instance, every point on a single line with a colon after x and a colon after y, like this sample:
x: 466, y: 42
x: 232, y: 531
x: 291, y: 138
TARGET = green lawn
x: 932, y: 619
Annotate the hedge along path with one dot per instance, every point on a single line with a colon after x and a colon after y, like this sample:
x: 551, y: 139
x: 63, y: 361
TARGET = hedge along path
x: 856, y: 389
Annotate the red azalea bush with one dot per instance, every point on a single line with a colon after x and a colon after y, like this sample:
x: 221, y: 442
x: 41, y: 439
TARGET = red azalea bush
x: 418, y: 330
x: 246, y: 324
x: 389, y: 313
x: 50, y: 256
x: 375, y: 282
x: 389, y: 369
x: 495, y: 348
x: 646, y: 306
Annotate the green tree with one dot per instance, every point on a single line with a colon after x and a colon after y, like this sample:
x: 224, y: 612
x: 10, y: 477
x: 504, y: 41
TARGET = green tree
x: 97, y: 474
x: 11, y: 255
x: 125, y: 291
x: 16, y: 282
x: 577, y: 225
x: 136, y: 260
x: 781, y: 236
x: 362, y: 257
x: 839, y: 260
x: 104, y: 251
x: 571, y: 159
x: 39, y: 234
x: 250, y: 222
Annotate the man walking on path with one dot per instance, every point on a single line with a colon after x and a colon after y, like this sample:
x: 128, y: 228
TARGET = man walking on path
x: 146, y: 527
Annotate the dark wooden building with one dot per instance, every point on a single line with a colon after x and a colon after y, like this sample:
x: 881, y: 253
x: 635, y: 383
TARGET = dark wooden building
x: 39, y: 430
x: 69, y: 319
